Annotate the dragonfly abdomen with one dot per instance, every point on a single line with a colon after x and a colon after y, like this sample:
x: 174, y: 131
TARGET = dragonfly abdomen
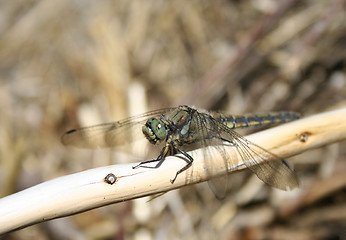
x: 242, y: 121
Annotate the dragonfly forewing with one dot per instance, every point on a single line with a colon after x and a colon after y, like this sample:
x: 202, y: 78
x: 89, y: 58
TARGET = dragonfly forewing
x: 211, y: 143
x: 110, y: 134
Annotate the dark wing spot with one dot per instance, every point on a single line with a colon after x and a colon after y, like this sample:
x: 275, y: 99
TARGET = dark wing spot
x: 71, y: 131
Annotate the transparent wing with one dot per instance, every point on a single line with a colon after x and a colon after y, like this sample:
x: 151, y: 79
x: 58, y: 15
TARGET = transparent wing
x: 268, y: 167
x: 110, y: 134
x: 206, y: 129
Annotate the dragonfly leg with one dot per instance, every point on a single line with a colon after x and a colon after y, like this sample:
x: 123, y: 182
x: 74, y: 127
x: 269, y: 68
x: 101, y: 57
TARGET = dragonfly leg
x: 168, y: 148
x: 159, y: 159
x: 188, y: 160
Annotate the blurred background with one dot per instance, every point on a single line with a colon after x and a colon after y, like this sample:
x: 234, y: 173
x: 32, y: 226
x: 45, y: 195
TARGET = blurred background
x: 66, y: 64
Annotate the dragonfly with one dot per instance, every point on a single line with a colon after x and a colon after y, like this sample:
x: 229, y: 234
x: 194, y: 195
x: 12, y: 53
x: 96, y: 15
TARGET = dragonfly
x: 182, y: 126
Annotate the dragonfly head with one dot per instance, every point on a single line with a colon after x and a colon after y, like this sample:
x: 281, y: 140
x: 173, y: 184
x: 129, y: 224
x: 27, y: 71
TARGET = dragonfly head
x: 154, y: 130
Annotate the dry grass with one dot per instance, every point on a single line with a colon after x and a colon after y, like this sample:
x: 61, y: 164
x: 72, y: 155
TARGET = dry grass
x: 71, y: 63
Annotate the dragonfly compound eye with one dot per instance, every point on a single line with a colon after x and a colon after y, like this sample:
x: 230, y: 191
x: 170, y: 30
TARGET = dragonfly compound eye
x: 154, y: 130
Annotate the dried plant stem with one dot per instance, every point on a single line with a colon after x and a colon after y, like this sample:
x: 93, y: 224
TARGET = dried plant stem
x: 86, y: 190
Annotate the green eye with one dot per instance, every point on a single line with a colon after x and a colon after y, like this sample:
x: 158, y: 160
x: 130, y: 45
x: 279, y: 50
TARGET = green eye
x: 154, y: 130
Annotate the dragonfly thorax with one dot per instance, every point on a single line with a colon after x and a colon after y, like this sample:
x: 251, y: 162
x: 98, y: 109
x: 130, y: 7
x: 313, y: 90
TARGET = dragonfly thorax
x: 155, y: 130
